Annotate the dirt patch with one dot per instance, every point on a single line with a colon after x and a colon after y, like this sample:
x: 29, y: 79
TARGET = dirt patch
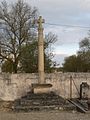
x: 6, y: 106
x: 55, y: 115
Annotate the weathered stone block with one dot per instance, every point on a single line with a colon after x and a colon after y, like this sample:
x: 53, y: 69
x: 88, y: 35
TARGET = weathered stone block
x: 41, y: 88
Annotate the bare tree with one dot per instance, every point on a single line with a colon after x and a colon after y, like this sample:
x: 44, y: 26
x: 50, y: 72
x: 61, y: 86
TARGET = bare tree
x: 15, y: 30
x: 50, y: 39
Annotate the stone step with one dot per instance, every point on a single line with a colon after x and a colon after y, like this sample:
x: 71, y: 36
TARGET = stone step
x: 49, y: 93
x: 40, y: 97
x: 41, y: 103
x: 35, y: 108
x: 42, y: 94
x: 38, y: 101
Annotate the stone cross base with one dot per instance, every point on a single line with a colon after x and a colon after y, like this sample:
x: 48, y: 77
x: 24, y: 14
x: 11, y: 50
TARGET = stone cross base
x: 41, y: 88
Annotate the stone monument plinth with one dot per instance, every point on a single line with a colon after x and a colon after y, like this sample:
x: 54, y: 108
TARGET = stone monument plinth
x: 41, y: 88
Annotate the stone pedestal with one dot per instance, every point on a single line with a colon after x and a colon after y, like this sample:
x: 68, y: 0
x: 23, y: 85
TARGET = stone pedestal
x: 41, y: 88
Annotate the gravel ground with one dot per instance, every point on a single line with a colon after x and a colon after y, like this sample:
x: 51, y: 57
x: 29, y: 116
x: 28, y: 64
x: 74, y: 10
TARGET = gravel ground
x: 55, y: 115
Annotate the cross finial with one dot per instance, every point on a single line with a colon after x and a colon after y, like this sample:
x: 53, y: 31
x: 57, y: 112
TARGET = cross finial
x: 40, y: 21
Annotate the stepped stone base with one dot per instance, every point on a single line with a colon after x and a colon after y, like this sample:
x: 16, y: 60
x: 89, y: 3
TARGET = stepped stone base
x: 41, y: 88
x: 39, y: 102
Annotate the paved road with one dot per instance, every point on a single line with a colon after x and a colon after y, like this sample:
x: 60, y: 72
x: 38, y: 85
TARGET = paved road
x: 44, y: 116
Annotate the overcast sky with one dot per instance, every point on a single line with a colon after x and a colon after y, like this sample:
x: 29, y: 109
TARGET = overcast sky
x: 64, y: 12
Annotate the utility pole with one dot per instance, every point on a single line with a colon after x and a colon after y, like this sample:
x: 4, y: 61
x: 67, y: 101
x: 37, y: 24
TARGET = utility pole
x: 40, y: 50
x: 70, y: 87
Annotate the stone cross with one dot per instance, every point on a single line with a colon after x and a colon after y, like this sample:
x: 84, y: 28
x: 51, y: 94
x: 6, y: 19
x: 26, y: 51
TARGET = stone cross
x: 40, y: 51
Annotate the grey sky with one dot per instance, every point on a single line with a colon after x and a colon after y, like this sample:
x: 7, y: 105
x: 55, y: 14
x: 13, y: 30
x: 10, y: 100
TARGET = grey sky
x: 72, y: 12
x: 68, y: 12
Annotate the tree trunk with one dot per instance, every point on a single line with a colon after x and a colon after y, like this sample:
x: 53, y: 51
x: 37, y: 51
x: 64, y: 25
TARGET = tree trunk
x: 14, y: 67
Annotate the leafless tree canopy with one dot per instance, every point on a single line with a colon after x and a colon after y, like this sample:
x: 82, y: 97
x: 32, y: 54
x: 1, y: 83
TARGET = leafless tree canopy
x: 15, y: 29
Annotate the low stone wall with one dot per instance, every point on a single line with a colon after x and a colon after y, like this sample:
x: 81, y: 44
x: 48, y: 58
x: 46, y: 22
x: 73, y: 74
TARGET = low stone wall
x: 13, y: 86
